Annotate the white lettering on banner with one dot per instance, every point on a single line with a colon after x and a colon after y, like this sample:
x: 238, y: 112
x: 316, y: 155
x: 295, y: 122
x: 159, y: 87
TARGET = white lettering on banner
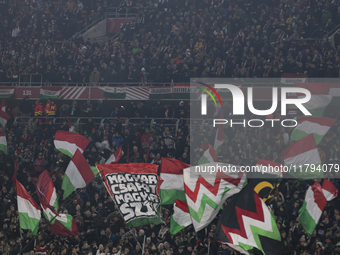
x: 26, y: 92
x: 135, y: 194
x: 6, y: 91
x: 185, y: 90
x: 160, y: 90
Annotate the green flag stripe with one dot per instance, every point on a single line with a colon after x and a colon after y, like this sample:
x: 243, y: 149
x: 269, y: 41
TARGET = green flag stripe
x: 202, y: 160
x: 198, y: 215
x: 67, y: 186
x: 317, y: 112
x: 307, y: 222
x: 3, y: 148
x: 66, y: 152
x: 168, y: 196
x: 95, y: 171
x: 298, y: 134
x: 26, y: 222
x: 175, y: 227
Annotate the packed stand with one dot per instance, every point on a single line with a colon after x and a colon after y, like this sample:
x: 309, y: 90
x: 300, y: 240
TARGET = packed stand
x: 34, y: 34
x: 102, y: 230
x: 171, y: 41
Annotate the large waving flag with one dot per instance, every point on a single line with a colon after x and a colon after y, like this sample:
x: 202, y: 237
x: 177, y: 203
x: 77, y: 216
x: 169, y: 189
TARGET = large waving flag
x: 320, y: 97
x: 69, y: 142
x: 303, y: 160
x: 172, y: 187
x: 115, y: 157
x: 206, y: 192
x: 4, y: 117
x: 315, y: 201
x: 246, y: 223
x: 318, y: 126
x: 209, y: 156
x: 60, y: 224
x: 78, y: 174
x: 135, y: 191
x: 3, y: 142
x: 29, y: 211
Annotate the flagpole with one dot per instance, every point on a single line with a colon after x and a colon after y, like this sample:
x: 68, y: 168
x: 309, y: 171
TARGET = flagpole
x: 76, y: 193
x: 34, y: 238
x: 135, y: 236
x: 209, y: 246
x: 143, y: 246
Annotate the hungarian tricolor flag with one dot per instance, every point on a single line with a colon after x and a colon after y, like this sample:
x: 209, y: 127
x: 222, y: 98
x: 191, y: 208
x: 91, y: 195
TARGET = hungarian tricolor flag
x: 4, y: 117
x: 60, y: 224
x: 29, y: 211
x: 115, y: 157
x: 315, y: 201
x: 172, y: 187
x: 302, y: 159
x: 246, y: 223
x: 78, y: 174
x: 3, y: 142
x: 318, y: 126
x: 209, y: 156
x: 69, y: 142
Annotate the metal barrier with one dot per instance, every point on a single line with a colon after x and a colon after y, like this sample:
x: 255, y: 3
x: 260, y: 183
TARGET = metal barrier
x: 171, y: 123
x: 137, y: 121
x: 188, y: 122
x: 30, y: 80
x: 81, y: 122
x: 22, y: 119
x: 42, y: 121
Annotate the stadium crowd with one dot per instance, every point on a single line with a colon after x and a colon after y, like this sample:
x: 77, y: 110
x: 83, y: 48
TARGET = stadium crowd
x: 102, y: 230
x: 166, y: 41
x: 170, y: 41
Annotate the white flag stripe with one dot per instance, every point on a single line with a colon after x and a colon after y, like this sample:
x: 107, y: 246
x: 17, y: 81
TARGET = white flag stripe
x: 50, y: 215
x: 71, y: 147
x: 318, y: 101
x: 328, y: 195
x: 3, y: 140
x: 308, y: 157
x: 54, y: 198
x: 181, y: 218
x: 111, y: 159
x: 335, y: 92
x: 3, y: 121
x: 172, y: 181
x: 74, y: 175
x: 312, y: 127
x: 24, y: 206
x: 208, y: 156
x: 312, y: 207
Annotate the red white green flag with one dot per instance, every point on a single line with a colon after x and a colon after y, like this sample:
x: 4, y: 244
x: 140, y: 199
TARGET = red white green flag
x: 29, y: 211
